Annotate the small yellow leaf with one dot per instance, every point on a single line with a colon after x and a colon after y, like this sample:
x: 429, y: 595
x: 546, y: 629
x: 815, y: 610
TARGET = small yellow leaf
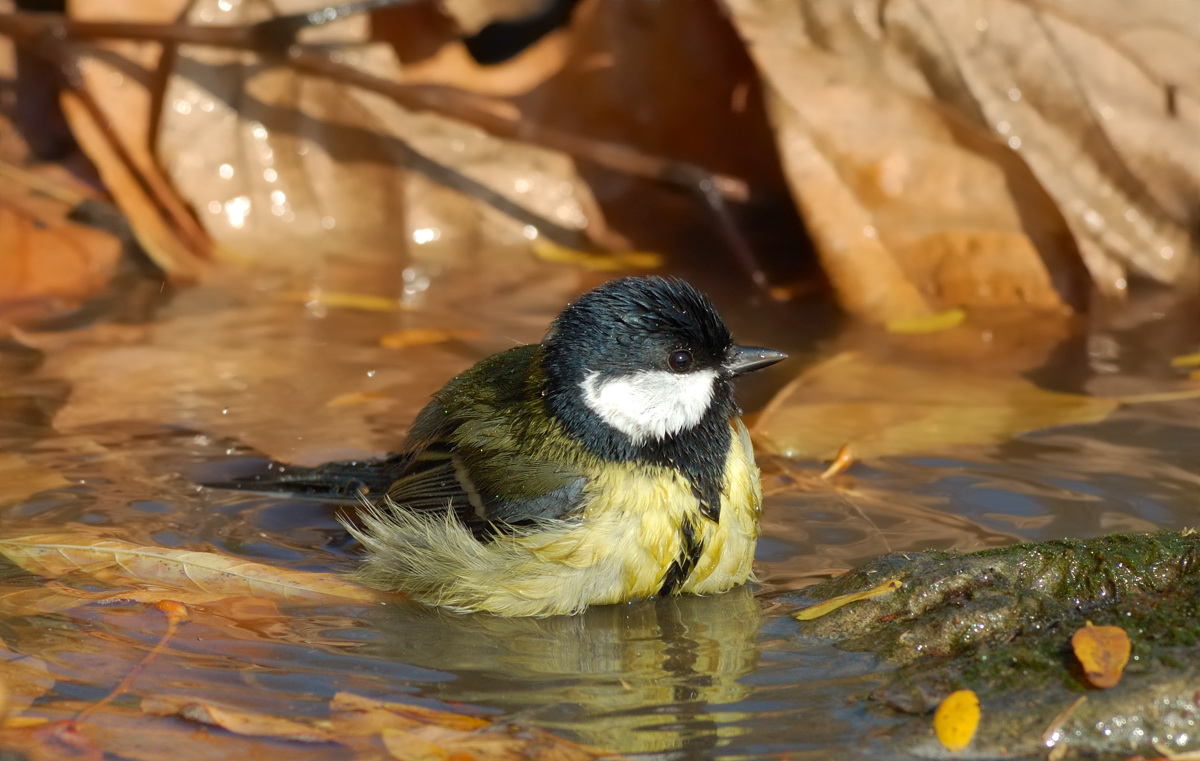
x: 820, y: 609
x: 956, y: 719
x: 1103, y: 652
x: 845, y: 458
x: 927, y: 324
x: 402, y: 339
x: 1187, y: 360
x: 362, y: 301
x: 608, y: 262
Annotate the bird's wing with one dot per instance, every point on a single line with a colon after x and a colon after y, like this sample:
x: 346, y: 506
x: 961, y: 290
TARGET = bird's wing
x: 475, y: 451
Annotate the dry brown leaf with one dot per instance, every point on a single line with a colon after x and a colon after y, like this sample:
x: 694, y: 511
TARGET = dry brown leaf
x: 908, y: 217
x: 937, y: 148
x: 292, y: 170
x: 883, y: 409
x: 20, y: 480
x: 118, y: 562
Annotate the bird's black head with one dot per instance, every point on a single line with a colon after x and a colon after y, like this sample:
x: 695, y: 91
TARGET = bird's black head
x: 641, y: 369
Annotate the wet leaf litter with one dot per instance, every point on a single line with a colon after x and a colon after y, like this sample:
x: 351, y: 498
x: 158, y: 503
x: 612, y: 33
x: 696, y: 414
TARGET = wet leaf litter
x: 158, y: 398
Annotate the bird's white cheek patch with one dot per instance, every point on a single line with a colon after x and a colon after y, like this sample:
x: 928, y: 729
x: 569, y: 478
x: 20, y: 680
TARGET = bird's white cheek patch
x: 652, y: 404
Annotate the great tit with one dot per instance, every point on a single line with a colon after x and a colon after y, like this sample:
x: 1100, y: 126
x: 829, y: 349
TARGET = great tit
x: 605, y: 464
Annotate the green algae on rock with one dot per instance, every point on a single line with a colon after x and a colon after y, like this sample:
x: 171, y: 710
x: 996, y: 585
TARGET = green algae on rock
x: 999, y: 622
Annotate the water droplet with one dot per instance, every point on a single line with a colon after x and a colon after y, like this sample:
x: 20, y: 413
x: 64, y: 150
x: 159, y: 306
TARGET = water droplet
x: 521, y: 185
x: 370, y: 373
x: 1131, y: 214
x: 1003, y: 128
x: 1093, y: 218
x: 225, y: 411
x: 259, y: 131
x: 1107, y: 112
x: 1120, y: 284
x: 182, y: 107
x: 207, y: 105
x: 225, y: 5
x: 457, y: 146
x: 278, y: 197
x: 1014, y: 94
x: 1167, y: 252
x: 237, y: 209
x: 328, y: 222
x: 870, y: 231
x: 531, y: 232
x: 1014, y: 142
x: 214, y: 207
x: 270, y: 175
x: 981, y: 24
x: 206, y: 15
x: 225, y: 170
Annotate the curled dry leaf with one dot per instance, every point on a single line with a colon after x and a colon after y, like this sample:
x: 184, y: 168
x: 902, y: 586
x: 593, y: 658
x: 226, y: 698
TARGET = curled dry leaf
x: 883, y: 409
x: 292, y: 170
x: 118, y: 562
x: 1103, y: 652
x: 945, y: 153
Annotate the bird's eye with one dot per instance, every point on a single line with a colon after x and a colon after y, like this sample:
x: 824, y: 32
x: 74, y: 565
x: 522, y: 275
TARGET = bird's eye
x: 680, y: 360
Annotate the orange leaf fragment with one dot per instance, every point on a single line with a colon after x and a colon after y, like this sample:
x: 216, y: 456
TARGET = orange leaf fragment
x: 354, y: 397
x: 832, y: 604
x: 1103, y: 652
x: 956, y: 719
x: 402, y: 339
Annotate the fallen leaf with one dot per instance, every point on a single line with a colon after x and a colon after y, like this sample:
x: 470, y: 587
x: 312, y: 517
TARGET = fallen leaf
x: 1103, y: 652
x: 832, y: 604
x: 19, y: 480
x: 402, y: 339
x: 253, y: 724
x: 361, y: 301
x: 1186, y: 360
x: 114, y: 561
x: 956, y: 719
x: 885, y: 409
x: 355, y: 397
x: 927, y: 324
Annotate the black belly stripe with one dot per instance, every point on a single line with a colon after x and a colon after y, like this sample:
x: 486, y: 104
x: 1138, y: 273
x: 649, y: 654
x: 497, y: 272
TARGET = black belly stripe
x: 689, y: 555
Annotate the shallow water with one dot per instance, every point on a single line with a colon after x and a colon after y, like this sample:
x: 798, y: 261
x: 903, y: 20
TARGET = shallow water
x: 134, y: 415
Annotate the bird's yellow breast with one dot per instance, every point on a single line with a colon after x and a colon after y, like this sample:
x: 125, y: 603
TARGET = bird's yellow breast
x: 632, y: 529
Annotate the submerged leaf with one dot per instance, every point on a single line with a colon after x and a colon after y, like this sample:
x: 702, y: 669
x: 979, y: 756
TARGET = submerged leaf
x: 890, y: 409
x: 253, y: 723
x: 120, y: 562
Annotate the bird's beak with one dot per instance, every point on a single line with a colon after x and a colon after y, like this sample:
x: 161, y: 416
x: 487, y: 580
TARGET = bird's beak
x: 740, y: 360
